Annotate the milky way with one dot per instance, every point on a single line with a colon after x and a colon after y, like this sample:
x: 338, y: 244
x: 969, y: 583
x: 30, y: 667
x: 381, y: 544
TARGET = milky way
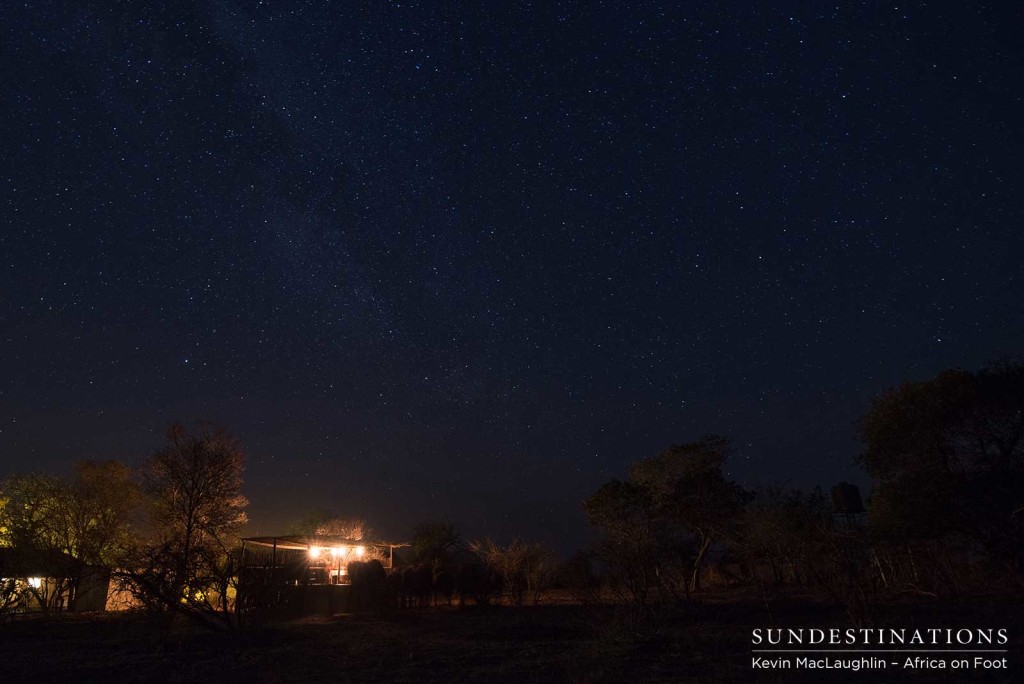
x: 434, y: 261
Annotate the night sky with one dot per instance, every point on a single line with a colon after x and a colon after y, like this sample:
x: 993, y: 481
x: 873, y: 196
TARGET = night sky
x: 467, y: 261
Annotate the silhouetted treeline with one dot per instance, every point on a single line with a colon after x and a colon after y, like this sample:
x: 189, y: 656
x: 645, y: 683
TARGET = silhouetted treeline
x: 944, y: 516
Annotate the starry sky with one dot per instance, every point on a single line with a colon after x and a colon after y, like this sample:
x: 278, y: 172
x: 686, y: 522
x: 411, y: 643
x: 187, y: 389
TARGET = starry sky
x: 467, y: 261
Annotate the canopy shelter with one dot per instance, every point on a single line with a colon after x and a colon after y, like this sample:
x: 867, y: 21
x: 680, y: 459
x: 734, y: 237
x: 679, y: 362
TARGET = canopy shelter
x: 321, y: 559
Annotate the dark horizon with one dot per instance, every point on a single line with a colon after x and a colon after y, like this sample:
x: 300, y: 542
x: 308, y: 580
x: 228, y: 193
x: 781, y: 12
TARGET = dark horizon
x: 431, y: 262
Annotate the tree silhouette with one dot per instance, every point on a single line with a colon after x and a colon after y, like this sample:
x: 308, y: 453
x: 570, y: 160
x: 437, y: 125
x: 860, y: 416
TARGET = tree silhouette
x: 688, y: 489
x: 946, y: 458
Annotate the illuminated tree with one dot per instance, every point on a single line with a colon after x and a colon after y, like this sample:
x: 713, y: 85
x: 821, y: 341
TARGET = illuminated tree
x: 104, y: 499
x: 35, y: 512
x: 196, y: 509
x: 5, y: 531
x: 87, y: 518
x: 328, y: 524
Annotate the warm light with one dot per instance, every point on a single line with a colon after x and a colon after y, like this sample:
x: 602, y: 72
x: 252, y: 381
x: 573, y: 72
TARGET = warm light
x: 338, y: 551
x: 360, y: 550
x: 314, y: 552
x: 35, y: 582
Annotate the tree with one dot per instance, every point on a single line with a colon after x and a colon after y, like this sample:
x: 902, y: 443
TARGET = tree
x: 687, y: 488
x: 672, y: 502
x: 524, y: 568
x: 196, y: 509
x: 579, y: 576
x: 946, y: 458
x: 35, y: 513
x: 325, y: 523
x: 630, y: 544
x: 5, y: 530
x: 778, y: 530
x: 104, y: 499
x: 436, y: 542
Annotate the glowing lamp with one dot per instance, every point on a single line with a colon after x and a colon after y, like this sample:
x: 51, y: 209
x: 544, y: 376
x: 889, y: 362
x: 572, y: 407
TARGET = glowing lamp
x: 314, y: 552
x: 360, y: 550
x: 35, y: 582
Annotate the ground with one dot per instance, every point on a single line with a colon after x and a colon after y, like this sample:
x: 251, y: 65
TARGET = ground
x: 706, y: 641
